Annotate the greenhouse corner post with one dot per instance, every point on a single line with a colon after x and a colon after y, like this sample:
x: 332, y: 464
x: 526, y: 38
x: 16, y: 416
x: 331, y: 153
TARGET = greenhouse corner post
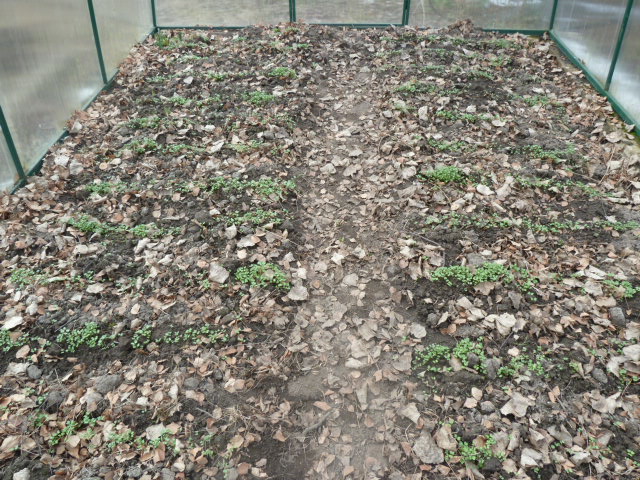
x: 12, y: 147
x: 154, y: 17
x: 96, y: 37
x: 552, y: 21
x: 406, y: 11
x: 292, y: 11
x: 616, y: 52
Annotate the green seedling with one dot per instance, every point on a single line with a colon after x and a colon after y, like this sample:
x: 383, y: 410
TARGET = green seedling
x: 263, y: 275
x: 259, y: 98
x: 283, y: 72
x: 449, y: 174
x: 255, y: 217
x: 90, y: 335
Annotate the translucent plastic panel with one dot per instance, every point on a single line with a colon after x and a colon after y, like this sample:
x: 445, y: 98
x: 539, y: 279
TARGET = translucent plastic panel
x: 510, y: 14
x: 349, y: 11
x: 48, y: 69
x: 590, y: 30
x: 121, y: 23
x: 8, y: 176
x: 221, y: 13
x: 625, y: 85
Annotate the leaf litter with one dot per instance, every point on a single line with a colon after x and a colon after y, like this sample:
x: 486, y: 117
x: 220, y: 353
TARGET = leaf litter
x: 306, y: 252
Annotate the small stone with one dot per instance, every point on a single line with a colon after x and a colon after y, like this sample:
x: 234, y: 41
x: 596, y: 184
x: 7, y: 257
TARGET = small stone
x: 218, y: 273
x: 493, y: 464
x: 23, y: 474
x: 599, y: 375
x: 231, y: 232
x: 298, y: 294
x: 191, y: 383
x: 75, y: 167
x: 473, y: 360
x: 618, y: 317
x: 34, y: 372
x: 167, y: 474
x: 134, y: 472
x: 487, y: 407
x: 55, y: 399
x: 427, y: 450
x: 493, y: 364
x: 475, y: 259
x: 107, y: 383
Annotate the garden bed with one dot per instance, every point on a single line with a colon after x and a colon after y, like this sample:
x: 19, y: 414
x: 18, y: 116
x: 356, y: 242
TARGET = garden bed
x: 302, y: 252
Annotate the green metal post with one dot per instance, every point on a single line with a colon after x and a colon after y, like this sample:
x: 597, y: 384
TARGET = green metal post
x: 96, y: 37
x: 292, y: 11
x: 12, y: 146
x: 553, y: 15
x: 154, y: 16
x: 616, y: 52
x: 406, y: 11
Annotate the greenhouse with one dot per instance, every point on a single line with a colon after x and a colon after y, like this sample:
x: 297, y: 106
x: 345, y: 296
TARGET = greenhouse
x: 341, y: 239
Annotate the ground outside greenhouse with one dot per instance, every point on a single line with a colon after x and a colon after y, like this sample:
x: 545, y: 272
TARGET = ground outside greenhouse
x: 301, y: 252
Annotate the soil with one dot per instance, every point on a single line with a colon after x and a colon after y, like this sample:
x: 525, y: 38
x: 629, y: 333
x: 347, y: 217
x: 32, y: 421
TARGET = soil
x: 322, y: 377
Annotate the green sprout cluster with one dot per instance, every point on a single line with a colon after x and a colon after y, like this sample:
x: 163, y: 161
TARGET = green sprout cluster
x: 259, y: 98
x: 454, y: 115
x: 85, y: 224
x: 449, y: 174
x: 456, y: 220
x: 536, y: 151
x: 106, y: 188
x: 90, y: 335
x: 283, y: 72
x: 628, y: 289
x: 459, y: 274
x: 469, y: 453
x: 525, y: 362
x: 264, y: 275
x: 435, y: 357
x: 264, y: 187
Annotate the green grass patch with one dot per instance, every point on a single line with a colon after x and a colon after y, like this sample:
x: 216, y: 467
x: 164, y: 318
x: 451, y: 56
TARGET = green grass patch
x: 449, y: 174
x: 86, y: 224
x: 465, y: 277
x: 283, y: 73
x: 255, y: 217
x: 259, y: 98
x: 264, y: 275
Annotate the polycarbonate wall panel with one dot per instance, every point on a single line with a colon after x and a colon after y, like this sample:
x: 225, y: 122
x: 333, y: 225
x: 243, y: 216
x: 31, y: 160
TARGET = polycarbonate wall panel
x: 48, y: 69
x: 590, y: 28
x: 122, y: 24
x: 625, y: 85
x: 510, y: 14
x: 349, y: 11
x: 8, y: 175
x: 227, y: 13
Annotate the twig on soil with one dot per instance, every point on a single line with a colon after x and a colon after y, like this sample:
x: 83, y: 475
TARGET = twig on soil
x: 318, y: 424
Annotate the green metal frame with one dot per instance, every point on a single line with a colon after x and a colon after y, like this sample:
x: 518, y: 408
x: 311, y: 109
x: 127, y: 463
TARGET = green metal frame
x: 4, y: 126
x: 621, y: 35
x: 154, y: 16
x: 96, y: 37
x: 293, y: 14
x: 624, y: 114
x: 554, y: 10
x: 406, y: 12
